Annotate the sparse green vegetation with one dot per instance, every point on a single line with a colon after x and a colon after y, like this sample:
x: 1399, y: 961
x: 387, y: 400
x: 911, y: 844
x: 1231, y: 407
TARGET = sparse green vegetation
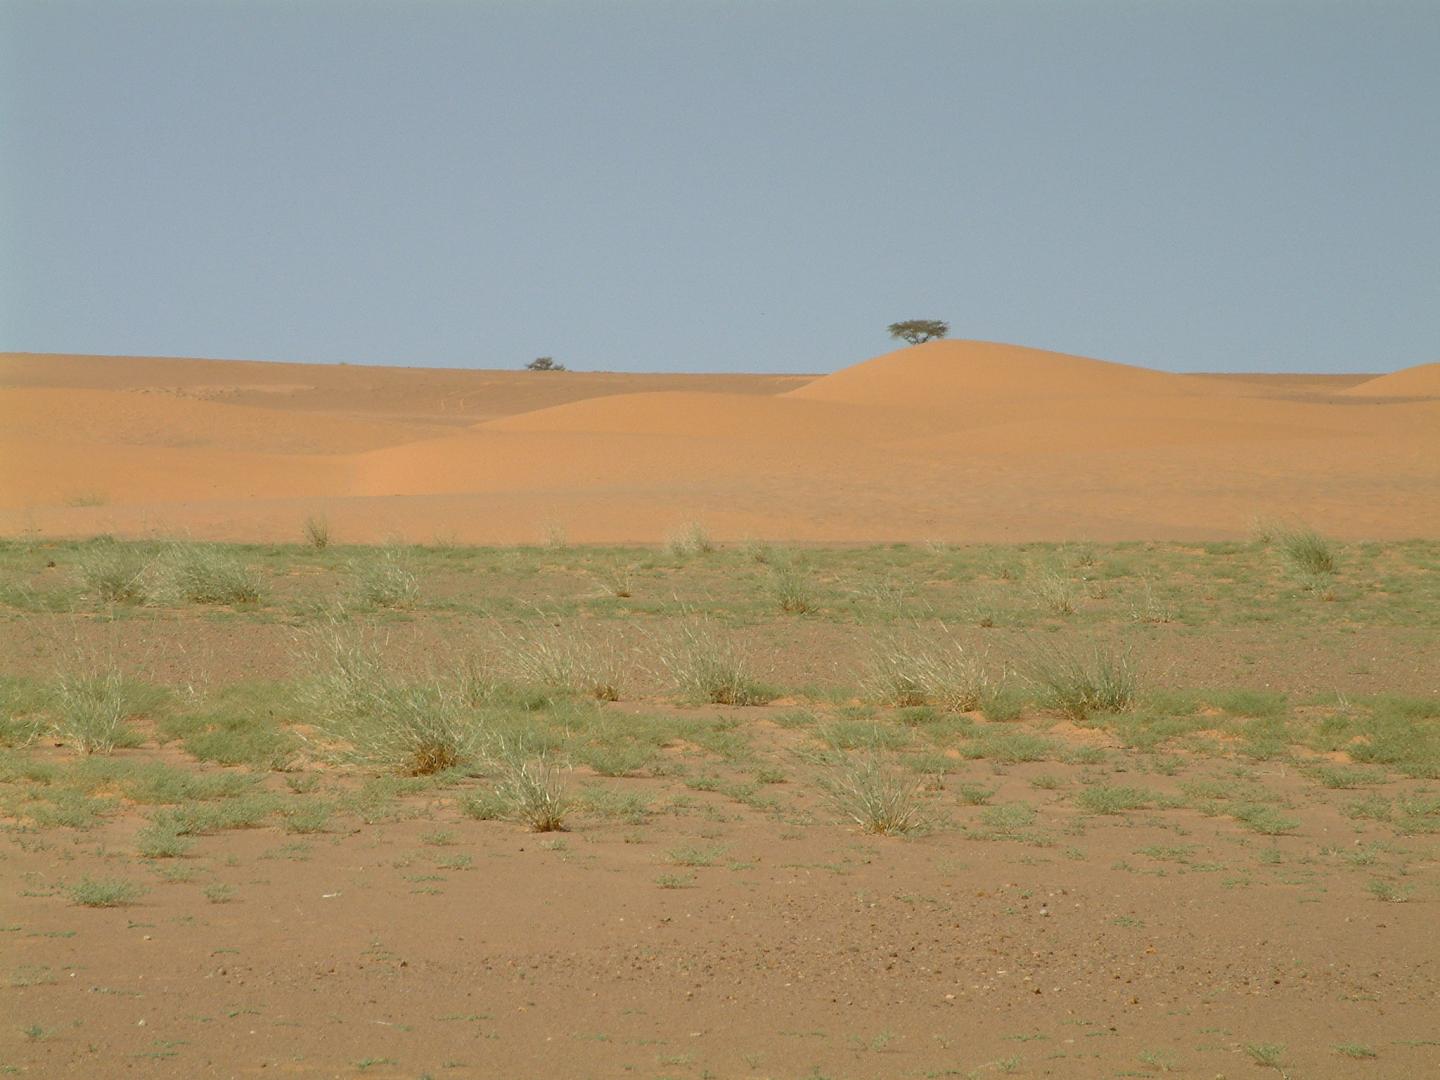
x: 414, y: 747
x: 104, y: 892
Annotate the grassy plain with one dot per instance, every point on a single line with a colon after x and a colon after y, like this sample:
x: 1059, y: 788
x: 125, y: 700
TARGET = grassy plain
x: 719, y: 810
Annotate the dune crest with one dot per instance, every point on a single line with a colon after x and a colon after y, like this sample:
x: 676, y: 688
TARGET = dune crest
x: 1422, y: 380
x: 953, y: 374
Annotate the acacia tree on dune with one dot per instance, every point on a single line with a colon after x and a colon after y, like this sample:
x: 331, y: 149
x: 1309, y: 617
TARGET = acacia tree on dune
x: 544, y: 363
x: 915, y: 331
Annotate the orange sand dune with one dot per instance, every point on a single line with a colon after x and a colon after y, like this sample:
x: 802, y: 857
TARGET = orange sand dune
x: 956, y: 375
x: 955, y: 440
x: 429, y: 395
x: 161, y: 419
x: 1422, y: 380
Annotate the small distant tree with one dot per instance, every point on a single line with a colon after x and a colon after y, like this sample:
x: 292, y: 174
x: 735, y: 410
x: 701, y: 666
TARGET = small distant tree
x: 544, y: 363
x: 914, y: 331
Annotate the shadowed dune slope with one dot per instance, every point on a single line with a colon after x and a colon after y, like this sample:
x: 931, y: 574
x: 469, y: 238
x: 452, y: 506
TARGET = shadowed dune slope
x: 133, y: 418
x: 1422, y: 380
x: 706, y: 416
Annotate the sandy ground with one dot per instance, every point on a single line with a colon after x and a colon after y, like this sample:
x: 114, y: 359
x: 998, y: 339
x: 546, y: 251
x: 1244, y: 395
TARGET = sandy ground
x: 950, y: 440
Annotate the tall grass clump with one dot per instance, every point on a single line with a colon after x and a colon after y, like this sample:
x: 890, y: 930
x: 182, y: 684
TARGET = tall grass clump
x: 911, y: 669
x: 410, y: 727
x: 705, y: 666
x: 22, y: 706
x: 206, y: 574
x: 565, y: 658
x: 1053, y: 590
x: 1078, y: 683
x: 1307, y: 551
x: 114, y: 573
x: 791, y: 588
x: 533, y: 792
x: 616, y: 578
x: 317, y: 532
x: 385, y: 579
x: 879, y: 800
x: 92, y: 712
x: 688, y: 540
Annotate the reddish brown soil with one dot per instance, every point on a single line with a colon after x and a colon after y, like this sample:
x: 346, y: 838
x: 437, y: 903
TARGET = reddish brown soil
x: 1087, y: 947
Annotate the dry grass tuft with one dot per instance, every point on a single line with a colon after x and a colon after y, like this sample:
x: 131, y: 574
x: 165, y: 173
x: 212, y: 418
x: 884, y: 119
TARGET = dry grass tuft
x: 1078, y: 682
x: 573, y: 659
x: 705, y: 666
x: 908, y: 669
x: 689, y: 540
x: 410, y: 727
x: 879, y: 800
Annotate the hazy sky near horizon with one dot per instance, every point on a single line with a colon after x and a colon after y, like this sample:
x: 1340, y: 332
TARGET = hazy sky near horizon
x: 709, y: 185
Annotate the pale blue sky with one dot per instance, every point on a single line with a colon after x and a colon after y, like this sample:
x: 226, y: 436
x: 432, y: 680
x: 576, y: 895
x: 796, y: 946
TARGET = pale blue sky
x: 695, y: 185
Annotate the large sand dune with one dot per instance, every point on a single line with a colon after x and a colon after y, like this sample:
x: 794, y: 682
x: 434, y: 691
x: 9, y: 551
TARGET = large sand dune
x: 955, y: 440
x: 1423, y: 380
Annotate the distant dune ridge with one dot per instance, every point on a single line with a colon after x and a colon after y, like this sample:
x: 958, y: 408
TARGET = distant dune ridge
x: 1422, y: 380
x: 954, y: 440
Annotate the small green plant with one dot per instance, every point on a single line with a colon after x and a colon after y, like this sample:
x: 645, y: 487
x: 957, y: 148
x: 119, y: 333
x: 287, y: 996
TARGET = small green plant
x: 317, y: 532
x: 1358, y: 1051
x: 1108, y: 799
x: 1159, y: 1060
x: 1008, y: 819
x: 878, y: 799
x: 1267, y: 1054
x: 306, y: 817
x: 1390, y: 894
x: 104, y: 892
x: 485, y: 805
x: 219, y: 894
x: 161, y: 842
x: 1263, y: 819
x: 974, y: 794
x: 695, y: 856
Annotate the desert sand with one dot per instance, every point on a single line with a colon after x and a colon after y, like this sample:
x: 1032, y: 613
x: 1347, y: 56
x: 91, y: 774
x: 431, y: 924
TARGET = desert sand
x: 950, y: 440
